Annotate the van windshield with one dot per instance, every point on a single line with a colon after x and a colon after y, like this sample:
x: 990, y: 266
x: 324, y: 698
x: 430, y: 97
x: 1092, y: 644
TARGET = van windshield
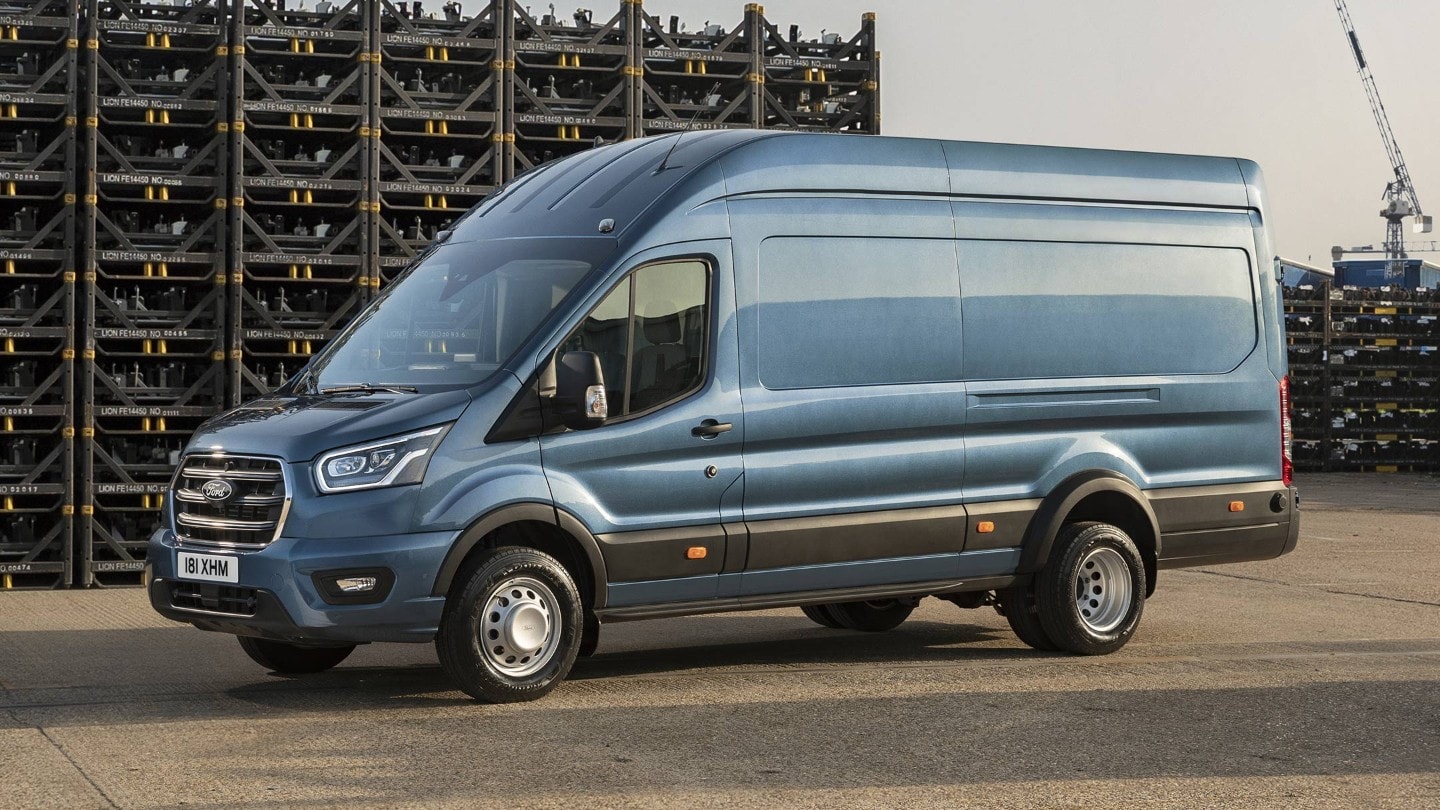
x: 456, y: 317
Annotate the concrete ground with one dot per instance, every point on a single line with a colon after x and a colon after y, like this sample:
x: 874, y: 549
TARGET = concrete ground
x: 1308, y: 681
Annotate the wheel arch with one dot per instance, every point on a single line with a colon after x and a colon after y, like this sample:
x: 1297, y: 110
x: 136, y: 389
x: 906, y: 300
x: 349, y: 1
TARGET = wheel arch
x: 1102, y: 495
x: 541, y: 526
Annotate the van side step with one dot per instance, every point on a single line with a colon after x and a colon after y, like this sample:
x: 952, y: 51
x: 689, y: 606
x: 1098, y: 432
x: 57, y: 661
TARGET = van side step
x: 774, y: 600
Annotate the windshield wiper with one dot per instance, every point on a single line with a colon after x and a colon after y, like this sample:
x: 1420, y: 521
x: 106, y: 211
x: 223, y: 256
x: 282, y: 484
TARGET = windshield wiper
x: 368, y: 388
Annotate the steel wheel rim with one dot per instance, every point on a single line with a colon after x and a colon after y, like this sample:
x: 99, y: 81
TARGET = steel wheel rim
x: 1104, y: 590
x: 520, y: 628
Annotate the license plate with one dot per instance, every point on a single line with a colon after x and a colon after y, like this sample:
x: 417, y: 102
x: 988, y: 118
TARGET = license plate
x: 209, y: 567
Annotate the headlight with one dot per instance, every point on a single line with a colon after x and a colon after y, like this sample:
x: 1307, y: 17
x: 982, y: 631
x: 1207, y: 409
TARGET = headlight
x: 387, y: 463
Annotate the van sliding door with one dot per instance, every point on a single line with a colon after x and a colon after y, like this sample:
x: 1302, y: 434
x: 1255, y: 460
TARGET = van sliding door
x: 850, y: 362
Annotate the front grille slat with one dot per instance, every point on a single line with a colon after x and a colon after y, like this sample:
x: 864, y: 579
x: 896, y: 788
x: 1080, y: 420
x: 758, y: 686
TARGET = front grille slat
x: 214, y: 598
x: 250, y: 516
x: 206, y: 522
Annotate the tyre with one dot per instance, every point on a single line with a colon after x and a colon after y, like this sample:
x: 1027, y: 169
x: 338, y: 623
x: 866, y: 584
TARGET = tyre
x: 1092, y: 592
x: 292, y: 659
x: 511, y: 628
x: 873, y: 616
x: 589, y: 636
x: 1018, y: 605
x: 820, y: 614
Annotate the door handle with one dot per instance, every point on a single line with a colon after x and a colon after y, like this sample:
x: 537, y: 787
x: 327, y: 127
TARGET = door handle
x: 710, y: 429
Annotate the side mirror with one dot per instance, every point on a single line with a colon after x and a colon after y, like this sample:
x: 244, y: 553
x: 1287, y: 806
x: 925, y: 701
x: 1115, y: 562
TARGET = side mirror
x: 580, y: 390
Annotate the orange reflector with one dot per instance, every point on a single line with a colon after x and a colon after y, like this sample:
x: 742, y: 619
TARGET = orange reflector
x: 1237, y: 506
x: 985, y: 527
x: 696, y: 553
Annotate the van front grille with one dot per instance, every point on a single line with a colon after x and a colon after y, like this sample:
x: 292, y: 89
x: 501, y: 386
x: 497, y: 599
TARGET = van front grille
x: 227, y: 500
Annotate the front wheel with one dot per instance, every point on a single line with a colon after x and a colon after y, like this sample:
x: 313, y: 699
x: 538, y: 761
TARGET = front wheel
x: 1090, y: 595
x: 292, y: 659
x: 512, y: 629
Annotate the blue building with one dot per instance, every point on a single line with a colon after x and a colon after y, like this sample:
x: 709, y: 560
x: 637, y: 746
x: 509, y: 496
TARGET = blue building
x: 1377, y: 273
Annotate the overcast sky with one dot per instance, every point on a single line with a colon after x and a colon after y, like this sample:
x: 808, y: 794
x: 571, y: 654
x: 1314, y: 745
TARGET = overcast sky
x: 1270, y: 80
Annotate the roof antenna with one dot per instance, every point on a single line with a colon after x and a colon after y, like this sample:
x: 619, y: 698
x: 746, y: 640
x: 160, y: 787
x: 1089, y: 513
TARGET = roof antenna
x: 714, y: 88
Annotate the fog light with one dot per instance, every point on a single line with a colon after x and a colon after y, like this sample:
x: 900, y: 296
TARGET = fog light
x: 356, y: 584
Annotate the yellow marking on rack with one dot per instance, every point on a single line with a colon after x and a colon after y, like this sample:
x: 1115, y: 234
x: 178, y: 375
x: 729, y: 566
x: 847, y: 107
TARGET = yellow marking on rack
x: 1387, y: 468
x: 9, y: 423
x: 10, y: 265
x: 68, y: 433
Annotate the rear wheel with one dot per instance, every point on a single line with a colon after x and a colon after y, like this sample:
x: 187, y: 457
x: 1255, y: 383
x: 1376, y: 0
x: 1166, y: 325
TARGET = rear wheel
x: 820, y: 614
x: 293, y: 659
x: 873, y: 616
x: 1091, y: 594
x: 512, y: 629
x: 1018, y: 605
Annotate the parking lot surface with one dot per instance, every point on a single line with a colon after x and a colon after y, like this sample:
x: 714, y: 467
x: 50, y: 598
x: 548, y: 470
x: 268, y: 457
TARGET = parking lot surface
x: 1308, y: 681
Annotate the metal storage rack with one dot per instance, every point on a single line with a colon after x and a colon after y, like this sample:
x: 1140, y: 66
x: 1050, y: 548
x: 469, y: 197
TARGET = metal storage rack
x: 38, y: 49
x: 705, y: 79
x: 1365, y: 366
x: 827, y: 84
x: 568, y: 84
x: 437, y: 131
x: 302, y: 85
x: 197, y: 194
x: 153, y: 252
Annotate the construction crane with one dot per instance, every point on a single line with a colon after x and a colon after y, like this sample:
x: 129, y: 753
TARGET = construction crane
x: 1400, y: 198
x: 1338, y: 252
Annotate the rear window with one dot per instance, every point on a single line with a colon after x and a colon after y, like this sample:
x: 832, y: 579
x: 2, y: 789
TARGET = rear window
x: 1043, y: 309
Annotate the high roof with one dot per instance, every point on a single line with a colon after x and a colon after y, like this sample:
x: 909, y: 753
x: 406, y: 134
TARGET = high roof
x: 624, y: 181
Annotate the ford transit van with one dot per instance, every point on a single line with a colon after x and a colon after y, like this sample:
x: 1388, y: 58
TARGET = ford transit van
x: 734, y: 370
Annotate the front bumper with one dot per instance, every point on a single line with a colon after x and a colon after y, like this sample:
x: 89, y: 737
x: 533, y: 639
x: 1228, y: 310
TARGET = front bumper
x: 288, y: 606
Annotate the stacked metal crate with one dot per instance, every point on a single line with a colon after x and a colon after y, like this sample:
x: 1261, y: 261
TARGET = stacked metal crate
x: 695, y: 80
x: 568, y: 83
x: 1365, y: 372
x: 153, y: 253
x: 827, y: 83
x: 38, y: 50
x: 437, y: 130
x: 302, y: 87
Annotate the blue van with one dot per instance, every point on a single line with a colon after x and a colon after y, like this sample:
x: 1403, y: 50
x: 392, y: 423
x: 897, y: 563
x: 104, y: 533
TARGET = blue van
x: 734, y: 370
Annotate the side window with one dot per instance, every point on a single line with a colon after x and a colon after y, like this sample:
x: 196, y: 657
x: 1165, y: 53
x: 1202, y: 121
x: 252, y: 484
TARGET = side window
x: 650, y: 334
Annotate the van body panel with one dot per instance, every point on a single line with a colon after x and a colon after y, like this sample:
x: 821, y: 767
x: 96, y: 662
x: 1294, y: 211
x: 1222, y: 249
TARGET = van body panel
x: 790, y: 164
x: 298, y: 428
x: 1057, y: 173
x: 473, y: 478
x: 894, y: 576
x: 849, y: 448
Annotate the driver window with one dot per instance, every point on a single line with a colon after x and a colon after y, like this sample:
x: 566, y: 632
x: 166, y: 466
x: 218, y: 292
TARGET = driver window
x: 650, y: 335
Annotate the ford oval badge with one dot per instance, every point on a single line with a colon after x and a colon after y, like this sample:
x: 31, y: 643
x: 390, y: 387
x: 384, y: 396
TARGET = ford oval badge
x: 217, y: 490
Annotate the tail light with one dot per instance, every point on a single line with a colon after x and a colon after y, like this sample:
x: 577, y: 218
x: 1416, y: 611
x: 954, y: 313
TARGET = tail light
x: 1287, y: 463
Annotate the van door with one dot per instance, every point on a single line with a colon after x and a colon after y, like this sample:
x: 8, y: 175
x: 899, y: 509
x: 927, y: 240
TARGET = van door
x: 851, y: 362
x: 649, y: 483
